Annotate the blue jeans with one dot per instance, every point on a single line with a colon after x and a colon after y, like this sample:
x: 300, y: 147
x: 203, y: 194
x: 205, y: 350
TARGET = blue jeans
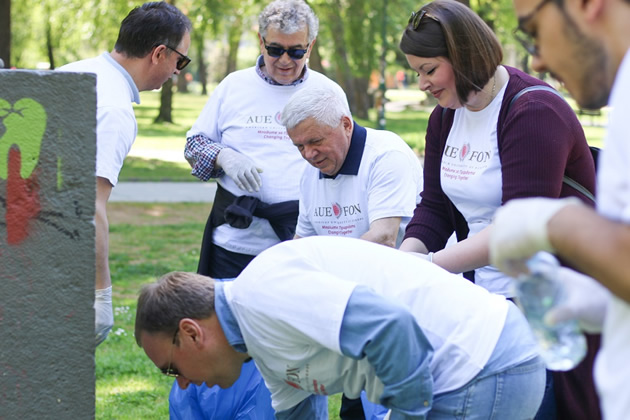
x: 514, y: 394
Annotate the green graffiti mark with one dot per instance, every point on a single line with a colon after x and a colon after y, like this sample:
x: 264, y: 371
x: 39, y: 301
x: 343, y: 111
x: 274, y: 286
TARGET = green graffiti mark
x: 24, y: 126
x: 59, y: 175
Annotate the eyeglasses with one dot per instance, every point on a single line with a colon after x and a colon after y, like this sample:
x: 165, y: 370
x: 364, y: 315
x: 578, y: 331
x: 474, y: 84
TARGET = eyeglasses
x: 172, y: 372
x: 183, y: 60
x: 294, y: 53
x: 416, y: 18
x: 524, y: 37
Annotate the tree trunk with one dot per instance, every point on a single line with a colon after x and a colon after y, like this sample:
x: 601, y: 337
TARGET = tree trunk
x: 234, y: 38
x: 166, y: 103
x: 361, y: 98
x: 5, y: 32
x: 315, y: 60
x: 344, y: 73
x: 182, y: 82
x: 202, y: 68
x: 49, y: 45
x: 166, y: 97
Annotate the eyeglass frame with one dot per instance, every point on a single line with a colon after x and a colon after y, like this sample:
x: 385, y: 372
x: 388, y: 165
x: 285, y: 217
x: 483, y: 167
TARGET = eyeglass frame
x: 526, y: 39
x: 290, y: 51
x: 416, y: 18
x: 173, y: 373
x: 182, y: 58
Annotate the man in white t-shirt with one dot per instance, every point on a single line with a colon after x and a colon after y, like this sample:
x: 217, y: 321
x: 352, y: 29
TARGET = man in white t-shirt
x: 586, y: 44
x: 152, y: 45
x: 324, y: 315
x: 362, y: 183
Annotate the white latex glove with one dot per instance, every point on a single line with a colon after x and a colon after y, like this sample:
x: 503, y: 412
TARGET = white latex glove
x: 240, y: 168
x: 520, y: 230
x: 586, y: 300
x: 104, y: 314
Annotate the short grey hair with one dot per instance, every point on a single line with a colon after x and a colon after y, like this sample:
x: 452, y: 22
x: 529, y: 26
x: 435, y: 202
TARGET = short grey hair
x: 325, y: 104
x: 289, y: 17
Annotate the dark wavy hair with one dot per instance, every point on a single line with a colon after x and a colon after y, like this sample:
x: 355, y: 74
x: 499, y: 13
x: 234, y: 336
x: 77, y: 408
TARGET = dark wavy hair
x: 452, y: 30
x: 149, y: 25
x: 174, y: 296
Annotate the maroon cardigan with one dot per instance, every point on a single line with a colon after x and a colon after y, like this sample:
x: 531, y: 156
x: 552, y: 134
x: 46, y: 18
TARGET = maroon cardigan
x: 540, y: 140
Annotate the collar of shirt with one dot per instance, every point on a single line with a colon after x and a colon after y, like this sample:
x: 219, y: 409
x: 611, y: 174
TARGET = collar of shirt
x: 226, y: 318
x: 260, y: 63
x: 355, y: 153
x: 132, y: 85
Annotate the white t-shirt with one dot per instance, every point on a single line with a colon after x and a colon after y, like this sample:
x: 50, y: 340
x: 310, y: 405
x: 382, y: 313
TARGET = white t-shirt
x: 471, y: 178
x: 244, y: 113
x: 388, y: 184
x: 612, y: 369
x: 116, y: 126
x: 289, y: 303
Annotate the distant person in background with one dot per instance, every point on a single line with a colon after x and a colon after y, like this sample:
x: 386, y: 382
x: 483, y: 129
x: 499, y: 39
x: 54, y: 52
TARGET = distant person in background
x: 152, y: 45
x: 586, y: 45
x: 484, y: 148
x: 239, y: 141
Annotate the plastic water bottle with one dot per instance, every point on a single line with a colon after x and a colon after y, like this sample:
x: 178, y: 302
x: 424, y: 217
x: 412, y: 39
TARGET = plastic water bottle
x: 562, y: 346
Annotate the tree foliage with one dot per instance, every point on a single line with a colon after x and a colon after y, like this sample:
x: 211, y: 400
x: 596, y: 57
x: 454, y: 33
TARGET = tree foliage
x: 357, y: 42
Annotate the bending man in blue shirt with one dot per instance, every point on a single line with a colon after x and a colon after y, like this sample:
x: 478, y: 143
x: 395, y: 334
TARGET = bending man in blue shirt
x: 325, y: 315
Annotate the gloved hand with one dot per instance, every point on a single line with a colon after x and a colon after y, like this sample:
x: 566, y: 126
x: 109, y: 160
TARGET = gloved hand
x: 519, y: 230
x: 104, y: 314
x: 586, y: 300
x: 240, y: 168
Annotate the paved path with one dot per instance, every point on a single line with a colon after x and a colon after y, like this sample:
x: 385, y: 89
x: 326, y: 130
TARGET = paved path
x: 164, y: 192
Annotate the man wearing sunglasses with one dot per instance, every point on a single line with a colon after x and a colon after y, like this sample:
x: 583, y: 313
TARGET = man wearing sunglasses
x: 586, y: 45
x: 151, y: 47
x: 238, y: 140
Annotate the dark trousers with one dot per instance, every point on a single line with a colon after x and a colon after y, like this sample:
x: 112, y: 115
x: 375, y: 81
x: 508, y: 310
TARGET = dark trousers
x: 351, y: 409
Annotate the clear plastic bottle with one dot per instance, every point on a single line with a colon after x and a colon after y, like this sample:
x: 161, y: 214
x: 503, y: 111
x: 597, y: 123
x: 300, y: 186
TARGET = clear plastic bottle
x: 562, y: 346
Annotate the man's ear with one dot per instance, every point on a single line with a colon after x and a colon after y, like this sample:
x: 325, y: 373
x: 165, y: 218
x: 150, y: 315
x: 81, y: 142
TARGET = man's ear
x: 189, y: 329
x: 157, y: 53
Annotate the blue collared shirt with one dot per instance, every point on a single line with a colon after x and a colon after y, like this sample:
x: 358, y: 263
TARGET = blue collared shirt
x: 132, y: 85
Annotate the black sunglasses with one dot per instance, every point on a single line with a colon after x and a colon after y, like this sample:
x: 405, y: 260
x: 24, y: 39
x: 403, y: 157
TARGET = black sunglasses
x: 416, y: 18
x: 170, y: 370
x: 294, y: 53
x: 183, y: 60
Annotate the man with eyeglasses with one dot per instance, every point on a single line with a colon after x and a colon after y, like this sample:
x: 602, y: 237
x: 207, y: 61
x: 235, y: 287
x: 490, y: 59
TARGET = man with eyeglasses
x: 586, y: 45
x: 323, y: 315
x: 151, y: 47
x: 239, y: 141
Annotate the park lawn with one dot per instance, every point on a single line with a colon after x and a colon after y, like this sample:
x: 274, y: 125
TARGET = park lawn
x: 146, y: 241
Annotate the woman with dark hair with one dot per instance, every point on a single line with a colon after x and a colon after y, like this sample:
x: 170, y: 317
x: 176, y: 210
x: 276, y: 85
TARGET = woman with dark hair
x: 496, y: 134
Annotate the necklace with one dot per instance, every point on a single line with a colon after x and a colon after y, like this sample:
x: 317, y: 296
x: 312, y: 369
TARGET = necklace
x: 494, y: 86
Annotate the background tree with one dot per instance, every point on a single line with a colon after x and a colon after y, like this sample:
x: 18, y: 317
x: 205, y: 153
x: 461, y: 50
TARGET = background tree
x: 5, y: 32
x: 355, y: 36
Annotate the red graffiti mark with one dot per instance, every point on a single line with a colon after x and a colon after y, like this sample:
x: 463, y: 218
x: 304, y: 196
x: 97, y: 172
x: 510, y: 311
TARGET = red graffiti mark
x: 22, y: 199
